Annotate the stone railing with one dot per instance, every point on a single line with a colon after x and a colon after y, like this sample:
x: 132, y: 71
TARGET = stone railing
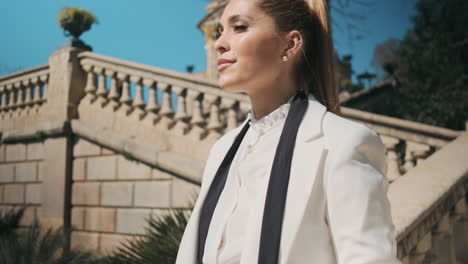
x: 429, y: 207
x: 407, y: 143
x: 22, y: 96
x: 166, y: 108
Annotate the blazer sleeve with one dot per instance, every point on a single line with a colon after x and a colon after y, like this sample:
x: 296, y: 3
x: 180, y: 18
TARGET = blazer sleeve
x: 358, y: 210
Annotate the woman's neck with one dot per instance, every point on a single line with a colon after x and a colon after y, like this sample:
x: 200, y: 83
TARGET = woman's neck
x: 263, y: 104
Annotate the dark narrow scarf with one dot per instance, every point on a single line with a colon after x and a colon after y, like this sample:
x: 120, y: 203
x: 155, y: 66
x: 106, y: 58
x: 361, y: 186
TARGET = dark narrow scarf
x: 277, y: 186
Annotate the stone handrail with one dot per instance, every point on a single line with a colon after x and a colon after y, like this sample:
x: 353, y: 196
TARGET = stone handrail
x: 200, y: 107
x: 23, y: 89
x: 429, y: 206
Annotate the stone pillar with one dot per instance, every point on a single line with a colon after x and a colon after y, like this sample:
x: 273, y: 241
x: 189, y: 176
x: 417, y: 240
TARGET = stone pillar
x: 212, y: 57
x: 66, y: 84
x: 66, y: 87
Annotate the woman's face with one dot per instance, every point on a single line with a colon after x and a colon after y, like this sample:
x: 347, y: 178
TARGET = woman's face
x: 250, y: 49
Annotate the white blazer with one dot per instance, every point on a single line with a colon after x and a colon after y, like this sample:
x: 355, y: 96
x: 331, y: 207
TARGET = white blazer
x: 337, y: 210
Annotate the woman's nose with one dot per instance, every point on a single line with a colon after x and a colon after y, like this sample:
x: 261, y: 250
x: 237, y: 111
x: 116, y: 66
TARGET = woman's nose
x: 221, y: 44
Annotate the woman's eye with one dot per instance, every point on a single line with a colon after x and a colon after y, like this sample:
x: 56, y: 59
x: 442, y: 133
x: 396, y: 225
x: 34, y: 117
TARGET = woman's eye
x: 240, y: 27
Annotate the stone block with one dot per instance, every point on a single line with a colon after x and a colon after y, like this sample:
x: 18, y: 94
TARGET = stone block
x: 85, y: 240
x: 7, y: 173
x: 13, y: 193
x: 78, y: 218
x: 160, y: 175
x: 85, y: 148
x: 152, y: 194
x: 117, y: 193
x: 26, y: 172
x: 110, y: 242
x: 35, y: 151
x: 100, y: 219
x: 132, y: 221
x: 79, y: 169
x: 101, y: 168
x: 33, y: 193
x: 86, y: 193
x: 1, y: 194
x: 29, y: 216
x: 184, y: 194
x: 130, y: 169
x: 15, y: 152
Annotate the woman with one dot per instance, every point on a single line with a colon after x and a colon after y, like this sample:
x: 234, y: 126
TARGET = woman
x: 295, y: 183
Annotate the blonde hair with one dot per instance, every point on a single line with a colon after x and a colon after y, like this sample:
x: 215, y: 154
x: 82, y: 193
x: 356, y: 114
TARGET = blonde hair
x: 314, y: 72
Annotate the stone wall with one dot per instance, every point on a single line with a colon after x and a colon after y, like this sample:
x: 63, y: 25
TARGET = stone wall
x: 21, y: 178
x: 112, y: 196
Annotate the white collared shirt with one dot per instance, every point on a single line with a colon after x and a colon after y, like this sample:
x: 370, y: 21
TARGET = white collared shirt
x: 248, y: 172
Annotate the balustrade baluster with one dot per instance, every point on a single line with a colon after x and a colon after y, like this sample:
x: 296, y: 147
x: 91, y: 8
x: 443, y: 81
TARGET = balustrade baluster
x: 414, y: 154
x: 138, y: 102
x: 125, y: 99
x: 19, y: 94
x: 460, y: 231
x: 11, y: 96
x: 90, y: 88
x: 443, y: 249
x: 181, y: 126
x: 24, y: 91
x: 44, y: 79
x: 32, y: 90
x: 197, y: 121
x: 166, y: 111
x: 418, y: 255
x: 3, y: 93
x: 101, y: 91
x: 29, y: 93
x: 114, y: 91
x: 393, y: 163
x: 152, y: 107
x: 231, y: 115
x: 214, y: 124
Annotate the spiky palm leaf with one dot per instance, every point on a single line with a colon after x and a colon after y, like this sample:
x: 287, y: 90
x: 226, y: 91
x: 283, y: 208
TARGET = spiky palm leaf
x: 9, y: 221
x: 30, y: 246
x: 159, y: 245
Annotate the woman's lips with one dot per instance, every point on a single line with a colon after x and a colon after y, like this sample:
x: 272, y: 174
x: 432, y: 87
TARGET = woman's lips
x: 223, y: 64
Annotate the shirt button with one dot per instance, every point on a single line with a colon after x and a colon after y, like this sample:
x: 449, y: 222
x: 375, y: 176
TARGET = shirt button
x: 249, y: 148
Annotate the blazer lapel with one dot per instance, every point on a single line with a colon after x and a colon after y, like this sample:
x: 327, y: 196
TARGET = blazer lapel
x: 305, y: 166
x: 308, y: 155
x: 189, y: 245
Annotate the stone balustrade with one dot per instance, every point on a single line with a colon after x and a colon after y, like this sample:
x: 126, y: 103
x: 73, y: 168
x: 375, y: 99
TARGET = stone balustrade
x: 187, y: 104
x: 429, y: 207
x: 22, y: 95
x: 407, y: 143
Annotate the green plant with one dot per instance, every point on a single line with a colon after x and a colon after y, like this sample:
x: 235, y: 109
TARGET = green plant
x: 9, y: 221
x: 74, y: 21
x: 34, y: 245
x: 159, y: 245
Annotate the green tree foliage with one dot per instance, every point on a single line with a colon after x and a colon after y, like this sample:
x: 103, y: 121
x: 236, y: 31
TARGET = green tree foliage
x: 433, y: 65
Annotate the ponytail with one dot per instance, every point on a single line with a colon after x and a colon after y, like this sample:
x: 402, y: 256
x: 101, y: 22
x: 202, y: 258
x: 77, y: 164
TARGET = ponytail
x: 315, y: 71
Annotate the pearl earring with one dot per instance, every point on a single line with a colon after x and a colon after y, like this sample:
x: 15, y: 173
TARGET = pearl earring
x: 285, y: 58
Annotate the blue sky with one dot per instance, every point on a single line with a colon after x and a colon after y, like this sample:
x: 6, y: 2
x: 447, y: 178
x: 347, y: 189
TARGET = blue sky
x: 163, y: 33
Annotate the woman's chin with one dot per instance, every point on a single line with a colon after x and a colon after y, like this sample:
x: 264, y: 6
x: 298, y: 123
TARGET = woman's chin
x: 228, y: 84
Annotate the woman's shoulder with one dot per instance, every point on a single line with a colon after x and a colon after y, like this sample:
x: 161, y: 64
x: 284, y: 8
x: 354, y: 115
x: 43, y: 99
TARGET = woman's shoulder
x: 339, y: 130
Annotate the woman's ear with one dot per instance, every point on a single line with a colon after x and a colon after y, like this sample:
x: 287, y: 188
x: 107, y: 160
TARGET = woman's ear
x: 295, y: 43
